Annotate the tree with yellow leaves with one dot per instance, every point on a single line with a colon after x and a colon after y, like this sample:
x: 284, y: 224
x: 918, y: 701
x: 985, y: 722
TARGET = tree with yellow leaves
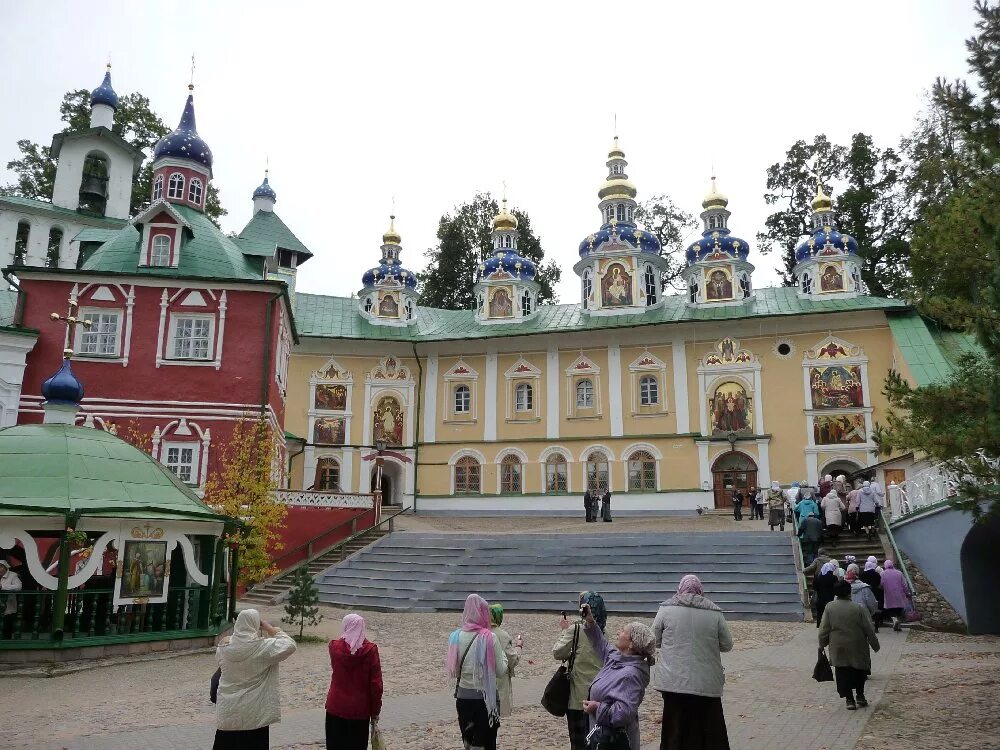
x: 242, y: 485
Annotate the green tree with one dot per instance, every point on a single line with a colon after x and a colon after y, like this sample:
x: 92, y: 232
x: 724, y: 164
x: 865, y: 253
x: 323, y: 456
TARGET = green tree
x: 134, y: 122
x: 671, y: 224
x: 465, y: 241
x: 871, y: 207
x: 301, y: 608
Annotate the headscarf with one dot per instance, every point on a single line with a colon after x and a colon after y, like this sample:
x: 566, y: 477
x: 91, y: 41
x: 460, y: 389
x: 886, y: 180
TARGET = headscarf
x: 796, y: 484
x: 596, y: 603
x: 691, y: 593
x: 476, y: 619
x: 852, y: 572
x: 691, y: 584
x: 828, y: 478
x: 247, y: 627
x: 888, y: 564
x: 6, y: 564
x: 850, y: 559
x: 496, y: 614
x: 870, y: 564
x: 354, y: 631
x: 827, y: 568
x: 775, y: 485
x: 643, y: 643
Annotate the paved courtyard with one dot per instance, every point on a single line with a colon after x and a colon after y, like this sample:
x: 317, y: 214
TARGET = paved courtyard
x: 923, y: 687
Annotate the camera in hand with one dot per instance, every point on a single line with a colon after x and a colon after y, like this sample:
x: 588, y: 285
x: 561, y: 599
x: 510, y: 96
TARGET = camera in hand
x: 585, y: 611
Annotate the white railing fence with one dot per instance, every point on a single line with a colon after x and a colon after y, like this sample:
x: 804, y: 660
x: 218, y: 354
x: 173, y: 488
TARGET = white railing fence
x: 938, y: 483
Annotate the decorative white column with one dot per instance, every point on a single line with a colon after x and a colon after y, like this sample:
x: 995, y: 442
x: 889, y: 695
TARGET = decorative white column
x: 490, y: 421
x: 615, y: 389
x: 681, y: 405
x: 704, y: 470
x: 552, y: 393
x: 764, y: 463
x: 430, y: 399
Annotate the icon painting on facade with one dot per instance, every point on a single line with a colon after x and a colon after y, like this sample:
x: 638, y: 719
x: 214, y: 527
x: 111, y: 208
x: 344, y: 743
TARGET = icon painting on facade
x: 388, y: 421
x: 501, y: 305
x: 836, y: 387
x: 329, y: 431
x: 388, y: 307
x: 718, y: 285
x: 832, y: 280
x: 332, y: 397
x: 843, y: 429
x: 616, y: 286
x: 730, y: 410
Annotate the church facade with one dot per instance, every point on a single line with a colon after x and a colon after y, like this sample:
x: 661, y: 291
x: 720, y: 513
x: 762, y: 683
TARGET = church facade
x: 668, y: 400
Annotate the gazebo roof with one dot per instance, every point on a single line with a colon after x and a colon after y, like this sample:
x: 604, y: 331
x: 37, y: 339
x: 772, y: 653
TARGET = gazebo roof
x: 55, y: 469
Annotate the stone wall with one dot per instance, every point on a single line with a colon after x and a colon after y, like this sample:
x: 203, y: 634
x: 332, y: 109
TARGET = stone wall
x: 936, y: 612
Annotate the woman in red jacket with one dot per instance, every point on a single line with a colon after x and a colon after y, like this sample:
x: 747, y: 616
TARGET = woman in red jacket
x: 355, y: 698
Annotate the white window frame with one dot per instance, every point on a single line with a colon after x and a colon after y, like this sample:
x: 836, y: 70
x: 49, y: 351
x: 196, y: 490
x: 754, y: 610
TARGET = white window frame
x: 158, y: 187
x: 91, y: 313
x: 340, y: 474
x: 175, y: 187
x: 548, y: 464
x: 195, y: 464
x: 513, y: 463
x: 630, y: 465
x: 175, y: 318
x: 466, y: 400
x: 649, y: 396
x: 649, y: 282
x: 479, y: 471
x: 153, y: 251
x: 588, y: 401
x: 195, y: 192
x: 526, y: 405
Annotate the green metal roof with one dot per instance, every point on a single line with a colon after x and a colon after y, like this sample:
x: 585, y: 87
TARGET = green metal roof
x: 954, y: 344
x: 265, y: 232
x: 16, y: 202
x: 926, y: 361
x: 92, y: 234
x: 338, y: 317
x: 205, y: 253
x: 59, y: 469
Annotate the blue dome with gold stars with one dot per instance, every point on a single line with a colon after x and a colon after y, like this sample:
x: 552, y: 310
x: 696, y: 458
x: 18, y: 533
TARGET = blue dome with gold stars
x: 717, y: 244
x: 640, y: 239
x: 184, y: 142
x: 392, y: 273
x: 104, y: 94
x: 265, y: 191
x: 63, y: 387
x: 827, y: 241
x: 510, y: 262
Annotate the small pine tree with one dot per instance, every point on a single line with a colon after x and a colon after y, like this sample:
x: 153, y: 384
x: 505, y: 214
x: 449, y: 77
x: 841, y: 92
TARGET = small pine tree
x: 301, y: 608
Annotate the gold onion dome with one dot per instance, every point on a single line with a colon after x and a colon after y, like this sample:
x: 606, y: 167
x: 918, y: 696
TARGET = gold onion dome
x: 822, y: 201
x: 714, y: 199
x: 391, y: 237
x: 616, y: 150
x: 505, y: 220
x: 617, y: 187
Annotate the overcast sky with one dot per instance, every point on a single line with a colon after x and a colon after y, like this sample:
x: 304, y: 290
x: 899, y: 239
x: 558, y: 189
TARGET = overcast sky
x: 430, y: 102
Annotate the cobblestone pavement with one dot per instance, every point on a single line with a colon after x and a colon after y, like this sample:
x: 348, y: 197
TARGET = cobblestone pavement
x: 574, y: 525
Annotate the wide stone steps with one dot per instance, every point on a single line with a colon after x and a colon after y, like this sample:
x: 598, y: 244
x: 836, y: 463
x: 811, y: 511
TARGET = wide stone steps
x: 751, y: 575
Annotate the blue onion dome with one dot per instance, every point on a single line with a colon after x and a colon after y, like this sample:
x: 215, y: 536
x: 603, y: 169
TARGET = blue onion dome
x: 265, y: 190
x: 718, y: 244
x: 621, y: 232
x: 389, y: 273
x: 63, y: 387
x: 184, y: 142
x: 827, y: 239
x: 104, y: 94
x: 510, y: 262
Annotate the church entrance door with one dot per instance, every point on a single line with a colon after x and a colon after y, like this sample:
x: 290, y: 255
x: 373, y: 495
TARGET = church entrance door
x: 387, y: 485
x: 730, y: 472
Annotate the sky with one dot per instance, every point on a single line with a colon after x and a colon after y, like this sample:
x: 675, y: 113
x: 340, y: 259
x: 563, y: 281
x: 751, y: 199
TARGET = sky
x: 354, y: 105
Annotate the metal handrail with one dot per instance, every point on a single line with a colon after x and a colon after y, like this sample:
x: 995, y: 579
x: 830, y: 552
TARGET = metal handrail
x: 307, y: 545
x: 896, y: 552
x: 800, y: 564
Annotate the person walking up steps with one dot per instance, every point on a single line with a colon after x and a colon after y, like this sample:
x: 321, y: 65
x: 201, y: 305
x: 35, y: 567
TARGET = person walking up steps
x: 848, y: 630
x: 776, y: 507
x: 475, y: 658
x: 895, y: 593
x: 692, y: 634
x: 586, y: 665
x: 354, y: 701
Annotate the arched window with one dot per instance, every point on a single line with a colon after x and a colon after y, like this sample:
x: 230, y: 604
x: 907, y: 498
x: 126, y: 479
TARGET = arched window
x: 194, y: 192
x: 693, y: 291
x: 806, y: 284
x: 621, y: 212
x: 368, y: 304
x: 175, y: 187
x: 510, y: 474
x: 650, y: 281
x: 597, y: 472
x: 160, y: 252
x: 649, y: 390
x: 631, y: 213
x: 463, y: 399
x: 585, y: 394
x: 409, y: 309
x: 55, y: 244
x: 711, y: 222
x: 467, y: 475
x: 479, y: 302
x: 21, y: 243
x: 327, y: 475
x: 158, y: 187
x: 588, y: 287
x: 523, y: 400
x: 611, y: 213
x: 526, y: 304
x: 642, y: 472
x: 555, y: 473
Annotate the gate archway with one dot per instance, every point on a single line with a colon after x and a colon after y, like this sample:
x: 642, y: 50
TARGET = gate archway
x: 731, y: 471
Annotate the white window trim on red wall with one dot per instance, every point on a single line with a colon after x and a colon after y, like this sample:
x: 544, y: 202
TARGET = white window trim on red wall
x: 174, y: 233
x: 165, y: 334
x: 124, y: 330
x: 201, y: 439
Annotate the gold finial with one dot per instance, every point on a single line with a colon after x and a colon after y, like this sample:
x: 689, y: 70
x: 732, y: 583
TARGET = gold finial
x: 391, y: 237
x: 714, y: 199
x: 71, y: 322
x: 504, y: 221
x: 822, y: 201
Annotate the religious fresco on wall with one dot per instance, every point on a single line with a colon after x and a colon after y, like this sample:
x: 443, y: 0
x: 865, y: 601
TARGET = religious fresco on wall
x: 836, y: 387
x: 718, y: 285
x: 388, y: 421
x: 616, y: 286
x: 730, y: 410
x: 388, y: 307
x: 501, y: 304
x: 329, y: 431
x: 332, y: 397
x: 839, y: 429
x: 832, y: 280
x: 144, y: 571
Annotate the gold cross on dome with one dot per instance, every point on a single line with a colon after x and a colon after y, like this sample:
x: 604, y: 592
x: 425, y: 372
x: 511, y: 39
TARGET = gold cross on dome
x: 71, y: 322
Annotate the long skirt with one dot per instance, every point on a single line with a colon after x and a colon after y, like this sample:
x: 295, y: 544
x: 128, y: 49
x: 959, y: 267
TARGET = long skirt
x: 606, y: 510
x: 848, y: 679
x: 693, y: 722
x: 579, y: 725
x: 346, y: 734
x: 776, y: 517
x: 478, y: 733
x: 247, y: 739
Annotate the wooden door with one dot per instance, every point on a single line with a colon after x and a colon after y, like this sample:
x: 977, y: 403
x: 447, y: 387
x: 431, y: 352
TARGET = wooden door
x: 894, y: 476
x: 728, y: 481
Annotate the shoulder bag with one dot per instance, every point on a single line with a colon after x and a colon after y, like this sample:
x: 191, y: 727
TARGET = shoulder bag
x: 555, y: 697
x: 461, y: 664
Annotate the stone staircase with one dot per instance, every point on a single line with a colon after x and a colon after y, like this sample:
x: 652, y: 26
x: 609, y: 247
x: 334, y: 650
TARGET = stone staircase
x: 750, y: 575
x: 274, y: 590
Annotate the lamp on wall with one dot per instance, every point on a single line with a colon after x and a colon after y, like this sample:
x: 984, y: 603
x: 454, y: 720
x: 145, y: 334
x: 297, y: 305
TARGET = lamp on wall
x: 731, y: 437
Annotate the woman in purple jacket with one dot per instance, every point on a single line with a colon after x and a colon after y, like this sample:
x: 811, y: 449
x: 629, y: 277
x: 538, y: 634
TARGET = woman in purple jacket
x: 618, y: 689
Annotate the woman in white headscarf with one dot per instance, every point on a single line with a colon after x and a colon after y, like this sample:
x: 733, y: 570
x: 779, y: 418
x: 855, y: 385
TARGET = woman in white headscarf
x: 248, y: 700
x: 775, y: 507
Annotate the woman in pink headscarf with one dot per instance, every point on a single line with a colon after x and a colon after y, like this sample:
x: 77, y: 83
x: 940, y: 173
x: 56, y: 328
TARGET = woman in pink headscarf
x: 355, y: 698
x: 475, y: 658
x: 691, y: 634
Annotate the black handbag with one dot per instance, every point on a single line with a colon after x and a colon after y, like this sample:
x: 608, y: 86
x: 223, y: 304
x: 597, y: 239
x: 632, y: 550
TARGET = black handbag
x: 608, y: 738
x: 213, y: 686
x: 555, y: 697
x: 822, y: 672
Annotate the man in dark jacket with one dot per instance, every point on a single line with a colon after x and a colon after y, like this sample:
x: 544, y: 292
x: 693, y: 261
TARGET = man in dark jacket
x: 810, y: 536
x: 590, y: 506
x: 737, y: 505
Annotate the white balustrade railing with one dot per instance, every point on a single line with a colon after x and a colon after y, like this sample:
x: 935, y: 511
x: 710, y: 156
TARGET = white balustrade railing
x: 937, y: 483
x: 320, y: 499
